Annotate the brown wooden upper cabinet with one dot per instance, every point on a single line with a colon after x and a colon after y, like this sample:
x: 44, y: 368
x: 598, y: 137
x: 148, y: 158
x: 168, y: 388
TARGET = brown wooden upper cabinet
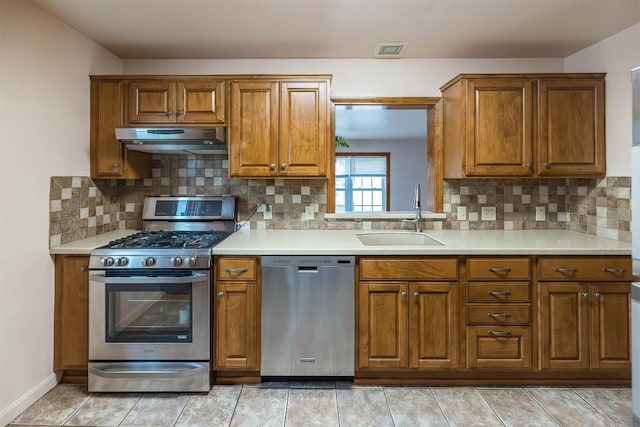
x: 524, y: 125
x: 109, y: 158
x: 175, y: 101
x: 279, y: 128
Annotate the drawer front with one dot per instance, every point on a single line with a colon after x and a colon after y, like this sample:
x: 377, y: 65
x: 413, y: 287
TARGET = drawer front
x: 609, y: 269
x: 241, y: 268
x: 499, y: 348
x: 499, y: 314
x: 409, y: 269
x: 498, y: 268
x: 499, y: 292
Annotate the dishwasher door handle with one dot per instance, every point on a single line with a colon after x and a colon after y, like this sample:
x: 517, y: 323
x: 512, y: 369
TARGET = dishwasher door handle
x: 306, y: 269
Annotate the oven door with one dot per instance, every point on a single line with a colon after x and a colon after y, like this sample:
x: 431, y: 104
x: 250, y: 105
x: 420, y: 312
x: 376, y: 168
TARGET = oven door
x: 136, y: 317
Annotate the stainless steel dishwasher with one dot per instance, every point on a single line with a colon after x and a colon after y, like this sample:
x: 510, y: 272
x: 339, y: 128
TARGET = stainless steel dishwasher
x: 307, y: 316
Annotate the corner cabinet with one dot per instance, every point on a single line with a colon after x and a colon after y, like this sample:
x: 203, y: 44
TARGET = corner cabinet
x: 279, y: 128
x: 109, y: 157
x: 237, y: 313
x: 182, y: 101
x: 71, y: 313
x: 524, y: 125
x: 407, y: 313
x: 585, y: 309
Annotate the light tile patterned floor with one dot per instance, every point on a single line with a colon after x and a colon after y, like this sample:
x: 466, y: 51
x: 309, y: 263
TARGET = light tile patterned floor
x: 340, y: 404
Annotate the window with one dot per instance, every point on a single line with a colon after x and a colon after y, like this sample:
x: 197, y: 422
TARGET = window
x: 362, y: 182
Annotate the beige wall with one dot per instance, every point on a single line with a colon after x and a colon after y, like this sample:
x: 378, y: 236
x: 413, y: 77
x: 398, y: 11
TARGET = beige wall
x: 616, y: 56
x: 44, y: 131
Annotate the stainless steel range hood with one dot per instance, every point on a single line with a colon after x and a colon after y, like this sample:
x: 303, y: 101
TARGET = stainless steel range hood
x: 179, y: 140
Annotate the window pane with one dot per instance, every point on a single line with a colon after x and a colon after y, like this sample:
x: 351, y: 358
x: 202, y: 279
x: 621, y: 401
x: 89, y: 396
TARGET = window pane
x: 376, y: 182
x: 360, y: 183
x: 377, y: 198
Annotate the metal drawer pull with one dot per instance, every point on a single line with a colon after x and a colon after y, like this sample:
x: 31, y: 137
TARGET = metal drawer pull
x: 499, y: 315
x: 499, y: 293
x: 500, y: 333
x: 500, y: 269
x: 236, y: 270
x: 597, y: 295
x: 565, y: 270
x: 416, y: 295
x: 613, y: 270
x: 220, y: 294
x: 404, y: 294
x: 585, y: 295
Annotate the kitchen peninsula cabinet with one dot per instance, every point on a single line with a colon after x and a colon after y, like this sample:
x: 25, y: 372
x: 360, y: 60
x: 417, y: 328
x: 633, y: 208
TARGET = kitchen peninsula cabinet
x: 279, y: 128
x: 171, y: 101
x: 524, y: 125
x: 407, y: 313
x: 237, y: 314
x: 71, y: 313
x: 585, y: 313
x: 109, y: 157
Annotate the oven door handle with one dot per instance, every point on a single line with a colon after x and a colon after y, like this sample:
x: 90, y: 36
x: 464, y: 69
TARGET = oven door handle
x: 195, y: 278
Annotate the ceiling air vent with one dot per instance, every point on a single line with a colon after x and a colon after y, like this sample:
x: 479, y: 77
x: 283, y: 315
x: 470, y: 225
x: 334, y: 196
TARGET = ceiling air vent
x: 390, y: 49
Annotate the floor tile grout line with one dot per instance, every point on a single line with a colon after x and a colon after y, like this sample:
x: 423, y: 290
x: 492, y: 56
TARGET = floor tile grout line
x: 77, y: 409
x: 593, y: 407
x: 130, y: 409
x: 335, y: 391
x: 444, y: 414
x: 183, y: 407
x: 384, y: 393
x: 235, y: 407
x: 286, y: 406
x: 544, y: 408
x: 502, y: 421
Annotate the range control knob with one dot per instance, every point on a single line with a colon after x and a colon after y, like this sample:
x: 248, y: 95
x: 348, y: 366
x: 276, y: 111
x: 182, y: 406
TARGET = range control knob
x: 176, y: 261
x: 148, y: 262
x: 122, y: 262
x: 191, y: 261
x: 108, y: 261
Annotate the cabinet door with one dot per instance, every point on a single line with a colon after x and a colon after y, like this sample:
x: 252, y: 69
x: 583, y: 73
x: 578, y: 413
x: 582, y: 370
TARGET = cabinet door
x: 236, y: 331
x: 151, y: 101
x: 304, y: 129
x: 200, y: 102
x: 71, y: 313
x: 610, y: 326
x: 564, y: 325
x: 433, y: 316
x: 253, y: 133
x: 571, y: 127
x: 382, y: 325
x: 499, y: 128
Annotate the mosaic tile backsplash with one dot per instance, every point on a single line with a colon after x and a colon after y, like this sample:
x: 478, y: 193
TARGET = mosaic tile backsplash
x: 81, y: 207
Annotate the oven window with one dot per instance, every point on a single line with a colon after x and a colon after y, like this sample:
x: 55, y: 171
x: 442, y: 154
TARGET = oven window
x: 161, y: 313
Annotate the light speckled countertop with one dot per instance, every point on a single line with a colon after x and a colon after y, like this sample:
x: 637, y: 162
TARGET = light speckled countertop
x: 342, y: 242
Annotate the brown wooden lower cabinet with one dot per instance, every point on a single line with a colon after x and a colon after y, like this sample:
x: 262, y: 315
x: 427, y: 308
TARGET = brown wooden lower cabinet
x: 71, y: 313
x: 237, y: 314
x: 407, y: 325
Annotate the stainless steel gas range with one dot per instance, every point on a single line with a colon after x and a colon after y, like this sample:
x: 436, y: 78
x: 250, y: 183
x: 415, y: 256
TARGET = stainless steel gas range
x: 150, y: 298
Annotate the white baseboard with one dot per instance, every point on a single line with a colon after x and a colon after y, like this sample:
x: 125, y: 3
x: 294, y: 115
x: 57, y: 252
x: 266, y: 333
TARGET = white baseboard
x: 23, y: 402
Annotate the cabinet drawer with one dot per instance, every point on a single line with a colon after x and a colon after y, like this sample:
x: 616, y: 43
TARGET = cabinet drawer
x: 499, y: 314
x: 241, y: 268
x: 498, y: 268
x: 586, y: 268
x: 409, y: 268
x: 490, y: 347
x: 498, y: 292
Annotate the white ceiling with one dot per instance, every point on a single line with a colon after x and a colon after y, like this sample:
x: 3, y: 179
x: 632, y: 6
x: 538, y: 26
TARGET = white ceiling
x: 301, y: 29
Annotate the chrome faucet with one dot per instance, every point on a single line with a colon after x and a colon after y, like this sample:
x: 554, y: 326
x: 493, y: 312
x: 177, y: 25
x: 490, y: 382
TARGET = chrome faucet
x: 416, y: 206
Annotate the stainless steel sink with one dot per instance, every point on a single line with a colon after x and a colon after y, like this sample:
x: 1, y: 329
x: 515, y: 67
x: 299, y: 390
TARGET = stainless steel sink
x: 397, y: 239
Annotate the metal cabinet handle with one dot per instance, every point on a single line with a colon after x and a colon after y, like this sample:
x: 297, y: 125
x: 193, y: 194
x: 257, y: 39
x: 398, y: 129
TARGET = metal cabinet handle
x: 613, y: 270
x: 499, y: 293
x: 565, y: 270
x: 529, y: 165
x: 499, y: 315
x: 180, y: 112
x: 416, y: 295
x: 170, y: 112
x: 546, y: 164
x: 500, y: 333
x: 115, y: 165
x: 597, y: 295
x: 585, y: 295
x: 283, y: 166
x: 236, y: 270
x: 499, y: 270
x: 83, y: 269
x: 404, y: 294
x: 220, y: 294
x: 272, y: 166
